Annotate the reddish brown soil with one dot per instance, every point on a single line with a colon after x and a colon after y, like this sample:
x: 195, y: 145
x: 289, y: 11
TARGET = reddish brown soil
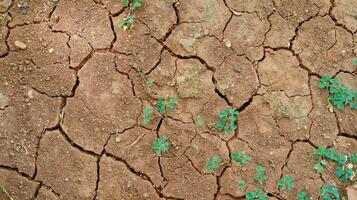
x: 71, y: 103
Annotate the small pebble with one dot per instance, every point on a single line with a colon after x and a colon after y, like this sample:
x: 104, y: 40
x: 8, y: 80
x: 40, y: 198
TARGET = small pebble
x: 20, y: 45
x: 117, y: 139
x: 51, y: 50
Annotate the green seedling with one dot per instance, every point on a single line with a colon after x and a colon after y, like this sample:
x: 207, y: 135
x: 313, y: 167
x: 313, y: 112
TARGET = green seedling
x: 344, y: 173
x: 353, y: 158
x: 355, y: 62
x: 150, y: 82
x: 162, y: 105
x: 261, y: 177
x: 329, y: 192
x: 240, y: 157
x: 127, y: 22
x: 287, y: 183
x: 213, y: 163
x: 303, y: 196
x: 160, y: 145
x: 228, y: 121
x: 242, y: 184
x: 340, y: 95
x: 319, y: 167
x: 259, y: 194
x: 148, y: 115
x: 200, y: 122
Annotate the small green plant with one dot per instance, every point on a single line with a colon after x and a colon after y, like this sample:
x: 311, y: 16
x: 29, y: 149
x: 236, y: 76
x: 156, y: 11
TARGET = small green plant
x: 228, y: 121
x: 353, y: 158
x: 340, y: 94
x: 329, y: 192
x: 200, y: 122
x: 344, y: 173
x: 162, y: 105
x: 261, y: 177
x: 319, y: 167
x: 213, y: 163
x: 128, y: 22
x: 242, y: 184
x: 303, y: 196
x: 287, y: 183
x: 259, y: 194
x: 148, y: 115
x: 150, y: 82
x: 160, y: 145
x: 355, y: 62
x: 240, y: 157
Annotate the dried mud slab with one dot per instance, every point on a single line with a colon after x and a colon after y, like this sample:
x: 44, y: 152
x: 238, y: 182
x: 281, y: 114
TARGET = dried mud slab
x: 185, y: 182
x: 4, y: 31
x: 301, y: 10
x: 134, y: 147
x: 324, y: 48
x: 113, y: 7
x: 24, y: 113
x: 300, y: 165
x: 17, y: 186
x: 237, y: 80
x: 281, y: 32
x: 104, y: 103
x: 246, y: 31
x: 77, y: 179
x: 262, y: 8
x: 145, y: 51
x: 345, y: 11
x: 280, y: 71
x: 224, y: 197
x: 44, y: 62
x: 80, y: 50
x: 347, y: 118
x: 158, y: 15
x: 126, y: 185
x: 165, y: 71
x: 46, y: 194
x: 86, y: 19
x: 324, y: 128
x: 211, y: 14
x: 27, y: 12
x: 345, y: 145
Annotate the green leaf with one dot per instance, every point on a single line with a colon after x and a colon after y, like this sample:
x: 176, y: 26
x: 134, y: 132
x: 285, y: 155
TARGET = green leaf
x: 353, y: 158
x: 200, y: 122
x: 344, y: 173
x: 259, y: 194
x: 172, y: 104
x: 287, y: 183
x: 303, y: 196
x: 260, y: 178
x: 355, y: 62
x: 160, y: 106
x: 329, y: 192
x: 148, y: 115
x: 150, y: 82
x: 242, y: 184
x: 240, y: 157
x: 136, y: 4
x: 228, y: 121
x: 213, y: 163
x: 319, y: 167
x: 126, y: 3
x: 160, y: 145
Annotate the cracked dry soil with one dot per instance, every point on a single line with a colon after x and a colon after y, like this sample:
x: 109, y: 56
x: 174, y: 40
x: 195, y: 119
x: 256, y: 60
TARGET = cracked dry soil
x: 72, y: 95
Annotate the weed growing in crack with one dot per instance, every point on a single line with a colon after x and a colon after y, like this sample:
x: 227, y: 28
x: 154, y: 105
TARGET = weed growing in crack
x: 329, y: 192
x: 213, y: 163
x: 344, y: 169
x: 200, y: 122
x: 150, y: 82
x: 160, y: 145
x: 240, y: 157
x: 259, y: 194
x: 148, y: 115
x: 260, y: 178
x: 228, y: 119
x: 166, y: 104
x: 287, y: 183
x: 340, y: 94
x: 127, y: 23
x: 301, y: 195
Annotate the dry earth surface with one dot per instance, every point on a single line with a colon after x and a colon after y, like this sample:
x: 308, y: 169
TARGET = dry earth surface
x: 72, y: 94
